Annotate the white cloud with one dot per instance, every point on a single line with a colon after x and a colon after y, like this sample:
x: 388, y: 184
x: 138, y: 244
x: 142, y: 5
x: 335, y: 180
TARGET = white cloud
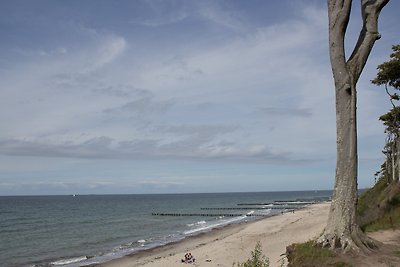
x: 269, y: 69
x: 106, y: 53
x: 199, y: 84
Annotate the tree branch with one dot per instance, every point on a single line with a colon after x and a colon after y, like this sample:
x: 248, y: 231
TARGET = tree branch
x: 339, y: 15
x: 369, y: 34
x: 390, y: 96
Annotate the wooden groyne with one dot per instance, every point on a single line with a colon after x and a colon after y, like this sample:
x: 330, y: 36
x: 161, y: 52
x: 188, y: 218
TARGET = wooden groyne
x: 253, y: 208
x: 255, y: 204
x: 207, y: 214
x: 277, y: 203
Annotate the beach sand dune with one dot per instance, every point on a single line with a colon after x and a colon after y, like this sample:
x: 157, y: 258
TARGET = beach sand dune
x: 234, y: 243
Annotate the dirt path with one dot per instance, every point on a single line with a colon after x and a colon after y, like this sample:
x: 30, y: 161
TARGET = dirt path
x: 388, y: 254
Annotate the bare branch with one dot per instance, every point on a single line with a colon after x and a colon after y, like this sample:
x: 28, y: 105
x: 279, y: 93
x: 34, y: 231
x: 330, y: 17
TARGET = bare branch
x: 369, y: 34
x: 339, y: 15
x: 390, y: 95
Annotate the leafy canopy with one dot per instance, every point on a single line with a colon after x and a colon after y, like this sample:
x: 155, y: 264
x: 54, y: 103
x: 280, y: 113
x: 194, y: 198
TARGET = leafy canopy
x: 389, y: 72
x: 391, y: 121
x: 389, y: 75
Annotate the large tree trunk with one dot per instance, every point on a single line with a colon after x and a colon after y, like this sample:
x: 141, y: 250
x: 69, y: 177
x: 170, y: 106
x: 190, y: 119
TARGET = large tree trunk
x: 342, y: 230
x: 398, y: 158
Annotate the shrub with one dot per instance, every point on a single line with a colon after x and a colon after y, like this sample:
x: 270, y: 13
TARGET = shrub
x: 257, y: 258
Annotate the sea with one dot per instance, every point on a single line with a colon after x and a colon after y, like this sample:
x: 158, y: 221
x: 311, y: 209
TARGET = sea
x: 79, y: 230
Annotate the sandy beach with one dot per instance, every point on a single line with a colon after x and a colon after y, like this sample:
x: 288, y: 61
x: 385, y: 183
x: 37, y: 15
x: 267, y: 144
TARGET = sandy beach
x: 223, y: 247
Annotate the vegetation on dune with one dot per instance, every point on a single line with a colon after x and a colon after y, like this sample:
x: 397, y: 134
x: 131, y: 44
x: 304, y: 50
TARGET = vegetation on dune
x: 258, y: 259
x: 310, y: 254
x: 379, y: 207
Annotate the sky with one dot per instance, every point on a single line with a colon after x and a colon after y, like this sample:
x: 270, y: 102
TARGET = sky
x: 154, y: 96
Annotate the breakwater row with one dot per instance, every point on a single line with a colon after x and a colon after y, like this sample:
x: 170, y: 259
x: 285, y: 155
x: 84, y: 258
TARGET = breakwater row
x: 207, y: 214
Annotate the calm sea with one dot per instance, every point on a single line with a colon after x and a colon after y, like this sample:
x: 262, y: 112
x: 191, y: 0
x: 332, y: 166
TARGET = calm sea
x: 85, y: 229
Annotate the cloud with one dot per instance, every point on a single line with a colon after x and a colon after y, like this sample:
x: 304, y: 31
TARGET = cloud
x: 161, y: 13
x: 200, y: 144
x: 106, y: 53
x: 57, y: 187
x: 221, y: 16
x: 141, y: 107
x: 273, y: 111
x: 158, y: 183
x: 200, y: 82
x: 194, y: 104
x: 120, y: 91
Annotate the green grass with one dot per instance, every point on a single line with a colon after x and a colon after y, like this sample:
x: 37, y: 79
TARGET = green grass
x: 379, y: 207
x: 309, y: 250
x: 371, y: 197
x: 308, y: 254
x: 391, y: 220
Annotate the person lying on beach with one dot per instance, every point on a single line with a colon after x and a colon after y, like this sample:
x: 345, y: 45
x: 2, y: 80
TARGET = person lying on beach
x: 188, y: 258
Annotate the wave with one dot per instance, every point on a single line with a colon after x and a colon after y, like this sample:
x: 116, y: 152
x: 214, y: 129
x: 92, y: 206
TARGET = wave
x: 250, y: 213
x: 68, y: 261
x: 209, y: 226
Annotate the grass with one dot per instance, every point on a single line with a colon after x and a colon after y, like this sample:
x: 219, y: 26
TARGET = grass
x: 371, y: 197
x: 309, y: 251
x: 378, y: 209
x: 391, y: 220
x: 308, y: 254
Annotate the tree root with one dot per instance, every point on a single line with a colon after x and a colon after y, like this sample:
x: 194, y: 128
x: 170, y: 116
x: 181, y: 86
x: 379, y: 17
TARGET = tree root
x: 357, y: 242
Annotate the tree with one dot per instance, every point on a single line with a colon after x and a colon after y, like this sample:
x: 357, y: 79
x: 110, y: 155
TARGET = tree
x: 342, y: 230
x: 389, y: 76
x: 389, y: 72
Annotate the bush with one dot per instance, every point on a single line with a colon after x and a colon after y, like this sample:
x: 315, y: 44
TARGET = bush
x: 257, y: 259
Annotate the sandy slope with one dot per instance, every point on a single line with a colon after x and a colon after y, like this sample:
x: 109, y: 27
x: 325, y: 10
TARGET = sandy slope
x: 233, y: 244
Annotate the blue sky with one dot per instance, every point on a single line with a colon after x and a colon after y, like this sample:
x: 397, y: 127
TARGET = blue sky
x: 177, y: 96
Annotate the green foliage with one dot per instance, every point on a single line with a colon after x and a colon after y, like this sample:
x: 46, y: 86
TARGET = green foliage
x: 389, y: 75
x: 394, y: 202
x: 391, y: 120
x: 389, y: 72
x: 391, y: 220
x: 371, y: 197
x: 379, y: 207
x: 257, y: 258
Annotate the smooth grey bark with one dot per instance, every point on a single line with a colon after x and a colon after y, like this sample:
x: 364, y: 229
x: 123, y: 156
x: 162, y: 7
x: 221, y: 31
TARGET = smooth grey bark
x: 342, y: 230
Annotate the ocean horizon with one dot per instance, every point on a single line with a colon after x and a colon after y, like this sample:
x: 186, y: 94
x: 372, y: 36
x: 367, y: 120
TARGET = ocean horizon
x: 76, y: 230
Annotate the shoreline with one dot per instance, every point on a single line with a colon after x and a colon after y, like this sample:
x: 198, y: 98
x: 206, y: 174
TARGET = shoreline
x: 233, y: 243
